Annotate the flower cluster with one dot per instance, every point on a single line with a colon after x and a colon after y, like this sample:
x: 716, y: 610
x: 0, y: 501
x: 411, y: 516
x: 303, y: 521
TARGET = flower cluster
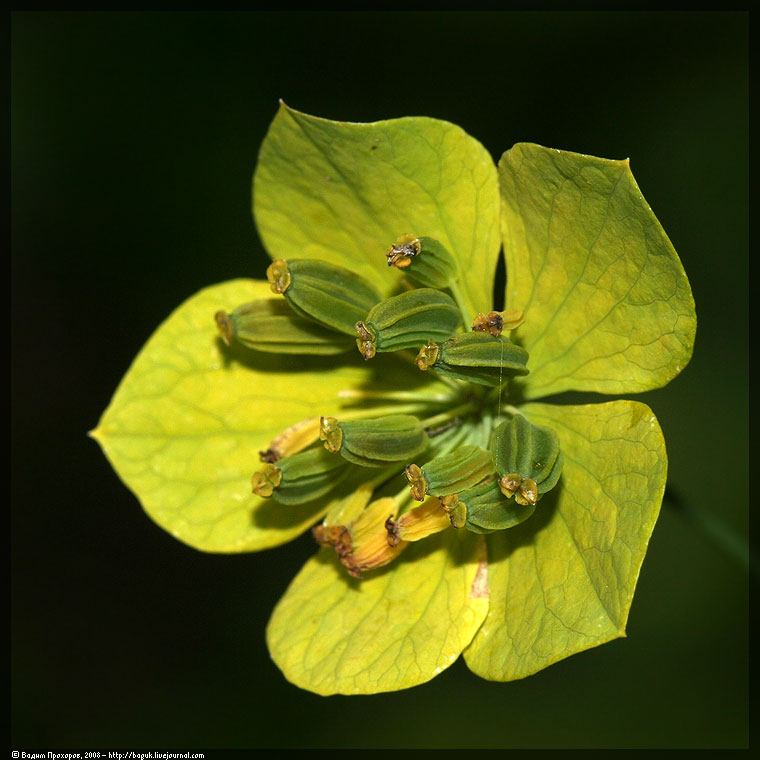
x: 472, y: 469
x: 393, y: 409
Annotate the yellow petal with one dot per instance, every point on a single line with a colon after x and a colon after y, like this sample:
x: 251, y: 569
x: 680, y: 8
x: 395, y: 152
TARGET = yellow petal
x: 395, y: 628
x: 607, y: 304
x: 186, y: 425
x: 344, y: 192
x: 563, y: 581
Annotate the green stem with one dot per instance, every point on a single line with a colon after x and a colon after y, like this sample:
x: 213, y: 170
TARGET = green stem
x: 717, y: 532
x: 480, y: 433
x: 378, y: 411
x: 503, y: 411
x: 402, y: 497
x: 453, y: 384
x: 451, y: 414
x: 459, y: 298
x: 419, y: 396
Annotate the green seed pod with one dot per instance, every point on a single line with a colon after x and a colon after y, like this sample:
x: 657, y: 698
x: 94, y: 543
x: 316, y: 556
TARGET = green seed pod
x: 476, y: 357
x: 527, y: 458
x: 406, y: 320
x: 322, y: 292
x: 487, y: 509
x: 300, y: 478
x: 272, y: 326
x: 450, y: 473
x: 424, y: 259
x: 375, y: 442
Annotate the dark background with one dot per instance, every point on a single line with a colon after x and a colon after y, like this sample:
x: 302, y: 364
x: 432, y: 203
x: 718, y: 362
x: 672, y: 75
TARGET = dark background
x: 134, y: 139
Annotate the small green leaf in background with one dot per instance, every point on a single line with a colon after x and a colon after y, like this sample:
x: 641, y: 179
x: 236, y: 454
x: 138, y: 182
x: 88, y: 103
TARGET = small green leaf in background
x: 607, y: 304
x: 393, y: 629
x: 345, y: 192
x: 563, y: 581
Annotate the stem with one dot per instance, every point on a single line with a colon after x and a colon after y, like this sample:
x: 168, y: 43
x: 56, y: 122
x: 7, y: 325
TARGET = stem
x: 401, y: 497
x: 419, y: 396
x: 480, y: 434
x: 451, y: 414
x: 718, y: 533
x: 407, y: 356
x: 459, y: 298
x: 453, y: 384
x: 503, y: 411
x: 379, y: 411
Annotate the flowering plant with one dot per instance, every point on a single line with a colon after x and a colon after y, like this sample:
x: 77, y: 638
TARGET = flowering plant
x: 456, y: 513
